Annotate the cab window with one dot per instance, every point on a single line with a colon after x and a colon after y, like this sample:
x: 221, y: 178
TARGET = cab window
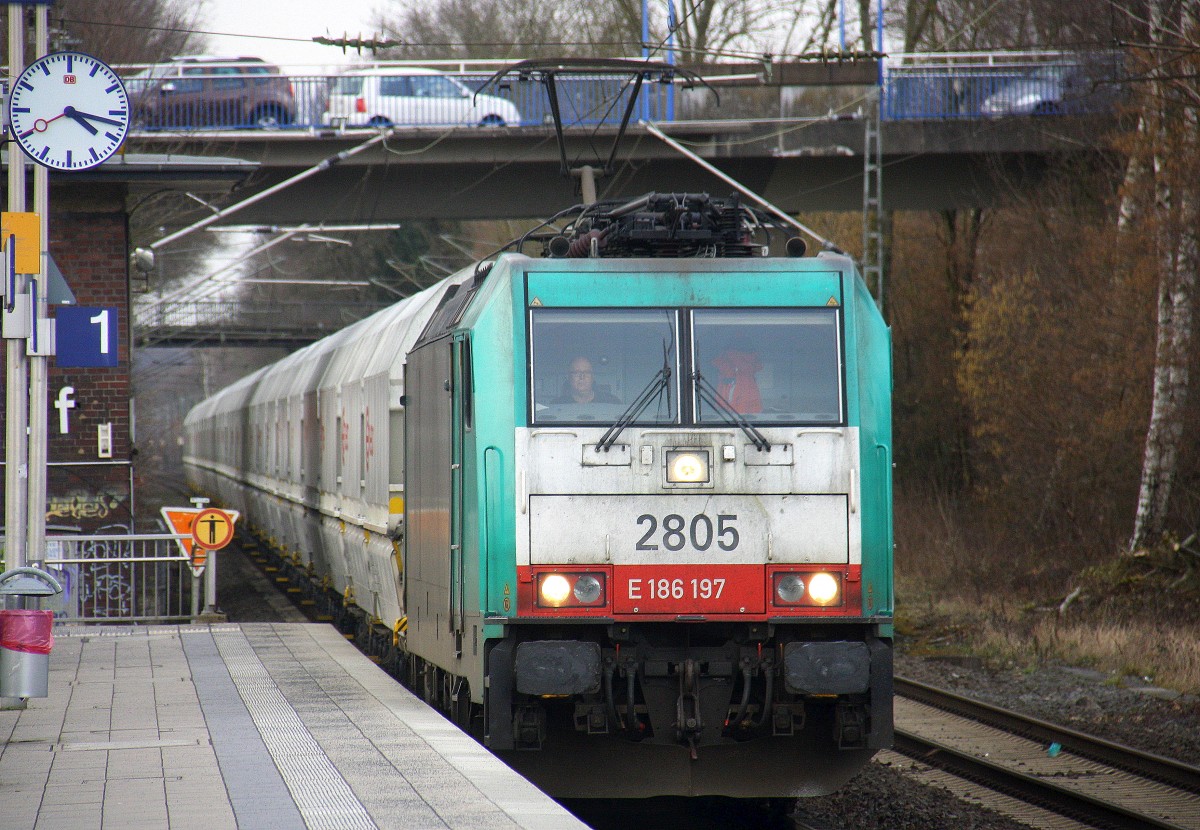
x: 781, y: 365
x: 593, y: 364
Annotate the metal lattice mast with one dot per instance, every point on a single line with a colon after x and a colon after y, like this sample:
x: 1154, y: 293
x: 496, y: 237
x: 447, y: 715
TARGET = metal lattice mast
x: 872, y: 215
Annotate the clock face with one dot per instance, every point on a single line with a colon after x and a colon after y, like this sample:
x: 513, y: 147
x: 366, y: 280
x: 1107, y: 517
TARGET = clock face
x: 69, y: 111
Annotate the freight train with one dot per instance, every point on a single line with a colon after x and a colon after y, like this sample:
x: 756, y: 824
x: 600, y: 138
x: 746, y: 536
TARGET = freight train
x: 622, y: 509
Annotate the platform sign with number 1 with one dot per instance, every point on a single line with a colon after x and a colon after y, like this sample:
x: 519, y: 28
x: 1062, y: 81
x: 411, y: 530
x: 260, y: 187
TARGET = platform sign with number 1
x: 86, y: 336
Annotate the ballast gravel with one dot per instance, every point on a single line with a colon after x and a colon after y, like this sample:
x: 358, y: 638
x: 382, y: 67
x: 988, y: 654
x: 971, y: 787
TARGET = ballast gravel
x: 1126, y: 710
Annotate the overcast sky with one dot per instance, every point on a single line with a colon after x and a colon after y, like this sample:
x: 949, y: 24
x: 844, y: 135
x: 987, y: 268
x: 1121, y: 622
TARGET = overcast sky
x: 279, y: 30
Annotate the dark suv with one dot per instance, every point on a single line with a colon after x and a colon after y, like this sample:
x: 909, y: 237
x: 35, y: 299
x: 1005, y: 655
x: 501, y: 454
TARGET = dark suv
x: 200, y: 91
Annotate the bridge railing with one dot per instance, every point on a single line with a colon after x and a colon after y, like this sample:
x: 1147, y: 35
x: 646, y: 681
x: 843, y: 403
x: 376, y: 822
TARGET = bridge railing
x: 991, y: 84
x: 221, y: 98
x: 924, y: 85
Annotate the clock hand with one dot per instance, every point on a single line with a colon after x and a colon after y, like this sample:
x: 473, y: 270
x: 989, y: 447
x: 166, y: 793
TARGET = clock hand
x: 40, y: 125
x: 80, y: 120
x: 76, y: 114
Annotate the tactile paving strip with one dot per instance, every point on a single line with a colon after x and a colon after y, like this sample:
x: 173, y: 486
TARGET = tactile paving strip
x: 322, y: 795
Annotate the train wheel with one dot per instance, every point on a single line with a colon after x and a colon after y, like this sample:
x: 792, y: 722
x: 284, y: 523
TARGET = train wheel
x: 393, y: 663
x: 466, y: 714
x: 413, y: 673
x: 429, y: 685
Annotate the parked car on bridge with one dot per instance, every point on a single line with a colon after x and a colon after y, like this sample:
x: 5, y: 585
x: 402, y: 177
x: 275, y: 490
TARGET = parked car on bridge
x: 202, y: 91
x: 1057, y: 89
x: 411, y: 96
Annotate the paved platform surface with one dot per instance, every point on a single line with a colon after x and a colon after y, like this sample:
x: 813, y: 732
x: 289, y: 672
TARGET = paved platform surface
x: 255, y: 726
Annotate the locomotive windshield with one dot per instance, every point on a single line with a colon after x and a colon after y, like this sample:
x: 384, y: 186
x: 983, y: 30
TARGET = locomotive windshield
x: 590, y: 364
x: 758, y: 365
x: 767, y: 365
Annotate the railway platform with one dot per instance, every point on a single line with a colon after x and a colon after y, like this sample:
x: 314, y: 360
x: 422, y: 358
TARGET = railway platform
x: 258, y: 726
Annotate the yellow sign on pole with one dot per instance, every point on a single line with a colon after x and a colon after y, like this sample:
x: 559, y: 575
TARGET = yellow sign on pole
x: 212, y: 528
x: 27, y: 228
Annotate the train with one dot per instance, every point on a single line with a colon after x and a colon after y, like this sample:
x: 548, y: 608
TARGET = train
x: 616, y: 499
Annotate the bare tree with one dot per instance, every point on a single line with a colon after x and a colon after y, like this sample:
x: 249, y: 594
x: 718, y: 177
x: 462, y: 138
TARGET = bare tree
x: 128, y: 31
x: 704, y: 30
x: 507, y: 29
x: 968, y: 25
x: 697, y: 30
x: 1168, y: 120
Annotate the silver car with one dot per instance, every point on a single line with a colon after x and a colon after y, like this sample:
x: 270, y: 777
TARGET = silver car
x: 409, y: 96
x: 1056, y: 89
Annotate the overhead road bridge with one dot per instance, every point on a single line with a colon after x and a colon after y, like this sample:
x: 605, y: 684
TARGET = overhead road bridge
x: 513, y: 173
x: 939, y: 149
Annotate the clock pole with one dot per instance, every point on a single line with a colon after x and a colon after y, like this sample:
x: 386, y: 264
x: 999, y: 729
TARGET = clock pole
x: 16, y: 455
x: 39, y: 363
x: 16, y: 446
x: 27, y: 410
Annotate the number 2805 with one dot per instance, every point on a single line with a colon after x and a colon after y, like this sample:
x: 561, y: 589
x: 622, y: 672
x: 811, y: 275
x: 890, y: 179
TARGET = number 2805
x: 673, y: 532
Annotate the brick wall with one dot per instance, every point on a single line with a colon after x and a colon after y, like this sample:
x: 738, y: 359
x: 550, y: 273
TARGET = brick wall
x: 91, y: 246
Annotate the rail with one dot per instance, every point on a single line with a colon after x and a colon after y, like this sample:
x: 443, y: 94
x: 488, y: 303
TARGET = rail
x: 121, y: 578
x: 1168, y: 770
x: 946, y: 85
x: 1097, y: 782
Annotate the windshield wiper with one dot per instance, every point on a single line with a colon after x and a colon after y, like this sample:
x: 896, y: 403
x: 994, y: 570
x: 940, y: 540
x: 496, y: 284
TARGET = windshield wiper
x: 660, y: 381
x: 730, y: 415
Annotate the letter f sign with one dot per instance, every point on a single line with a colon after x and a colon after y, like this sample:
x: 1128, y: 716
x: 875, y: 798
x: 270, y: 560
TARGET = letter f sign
x: 64, y: 405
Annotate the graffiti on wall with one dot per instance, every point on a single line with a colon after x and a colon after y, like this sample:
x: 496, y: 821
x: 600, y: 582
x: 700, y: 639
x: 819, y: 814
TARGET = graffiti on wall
x: 81, y: 505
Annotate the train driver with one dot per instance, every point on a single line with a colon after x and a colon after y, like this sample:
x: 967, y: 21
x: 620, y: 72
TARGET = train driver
x: 580, y: 386
x: 737, y: 385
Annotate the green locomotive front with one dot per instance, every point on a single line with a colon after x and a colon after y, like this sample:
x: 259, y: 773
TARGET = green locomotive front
x: 623, y: 511
x: 648, y: 521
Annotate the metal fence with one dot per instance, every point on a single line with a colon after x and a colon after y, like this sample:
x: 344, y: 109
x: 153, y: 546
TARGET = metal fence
x: 121, y: 578
x: 996, y: 84
x: 945, y: 85
x: 247, y: 319
x: 218, y: 100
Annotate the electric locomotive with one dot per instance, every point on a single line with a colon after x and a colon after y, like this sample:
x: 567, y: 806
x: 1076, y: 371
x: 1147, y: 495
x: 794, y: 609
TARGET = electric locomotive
x: 624, y: 508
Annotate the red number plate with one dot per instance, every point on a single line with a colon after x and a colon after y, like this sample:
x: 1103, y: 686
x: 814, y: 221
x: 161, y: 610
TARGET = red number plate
x: 688, y: 589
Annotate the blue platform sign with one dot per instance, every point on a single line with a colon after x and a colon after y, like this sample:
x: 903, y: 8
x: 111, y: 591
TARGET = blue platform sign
x: 85, y: 336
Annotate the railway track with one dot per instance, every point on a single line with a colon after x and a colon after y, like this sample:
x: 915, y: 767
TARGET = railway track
x: 1089, y: 782
x: 1094, y: 782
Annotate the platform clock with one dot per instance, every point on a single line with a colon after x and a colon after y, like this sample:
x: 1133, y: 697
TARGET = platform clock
x: 69, y: 111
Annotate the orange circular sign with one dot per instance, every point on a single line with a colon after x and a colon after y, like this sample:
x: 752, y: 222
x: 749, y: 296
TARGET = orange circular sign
x: 212, y: 529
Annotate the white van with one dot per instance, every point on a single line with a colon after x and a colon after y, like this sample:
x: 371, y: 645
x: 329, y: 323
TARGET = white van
x: 409, y: 96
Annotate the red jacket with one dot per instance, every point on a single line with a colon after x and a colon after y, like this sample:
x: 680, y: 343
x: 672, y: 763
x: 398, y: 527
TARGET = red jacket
x: 736, y: 384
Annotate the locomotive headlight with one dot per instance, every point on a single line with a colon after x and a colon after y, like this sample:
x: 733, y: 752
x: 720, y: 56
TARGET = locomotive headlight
x: 587, y: 589
x: 687, y: 466
x: 554, y: 589
x: 823, y: 588
x: 570, y: 590
x: 789, y: 587
x: 806, y: 588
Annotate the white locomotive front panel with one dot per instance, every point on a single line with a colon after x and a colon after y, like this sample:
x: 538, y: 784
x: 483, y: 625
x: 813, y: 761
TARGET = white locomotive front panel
x: 703, y: 548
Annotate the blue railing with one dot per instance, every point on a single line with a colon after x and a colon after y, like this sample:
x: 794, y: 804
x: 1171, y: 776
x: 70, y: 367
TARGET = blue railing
x: 924, y: 86
x: 989, y: 85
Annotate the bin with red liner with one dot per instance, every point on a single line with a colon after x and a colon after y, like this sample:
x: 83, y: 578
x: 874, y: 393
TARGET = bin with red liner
x: 26, y: 635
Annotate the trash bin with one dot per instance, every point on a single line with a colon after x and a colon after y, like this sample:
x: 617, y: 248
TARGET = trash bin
x: 25, y: 634
x: 26, y: 637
